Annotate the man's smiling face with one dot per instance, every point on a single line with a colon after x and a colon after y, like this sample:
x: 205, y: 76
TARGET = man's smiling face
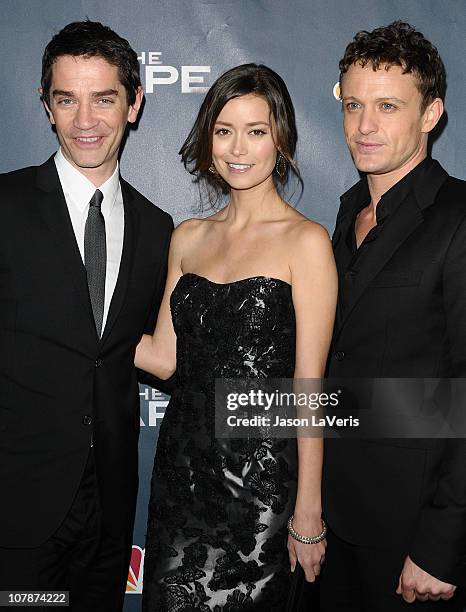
x: 385, y: 126
x: 88, y: 106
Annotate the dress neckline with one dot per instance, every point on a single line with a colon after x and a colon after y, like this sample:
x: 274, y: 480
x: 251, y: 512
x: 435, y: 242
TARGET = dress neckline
x: 240, y: 280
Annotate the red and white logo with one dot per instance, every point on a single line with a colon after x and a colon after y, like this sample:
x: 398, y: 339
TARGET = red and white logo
x: 136, y: 568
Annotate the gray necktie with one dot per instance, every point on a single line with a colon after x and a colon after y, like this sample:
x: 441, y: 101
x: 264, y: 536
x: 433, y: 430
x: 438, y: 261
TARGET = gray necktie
x: 95, y: 258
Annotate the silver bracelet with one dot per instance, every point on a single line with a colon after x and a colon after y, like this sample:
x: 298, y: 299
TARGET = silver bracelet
x: 305, y: 539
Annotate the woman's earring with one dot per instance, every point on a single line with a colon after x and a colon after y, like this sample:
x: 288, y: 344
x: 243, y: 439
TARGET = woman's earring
x: 281, y: 166
x: 212, y: 169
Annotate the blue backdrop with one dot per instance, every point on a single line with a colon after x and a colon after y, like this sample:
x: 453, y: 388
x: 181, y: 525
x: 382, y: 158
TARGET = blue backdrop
x: 183, y: 45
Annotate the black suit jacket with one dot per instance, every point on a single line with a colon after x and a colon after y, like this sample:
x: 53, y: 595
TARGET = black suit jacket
x: 406, y: 317
x: 58, y: 381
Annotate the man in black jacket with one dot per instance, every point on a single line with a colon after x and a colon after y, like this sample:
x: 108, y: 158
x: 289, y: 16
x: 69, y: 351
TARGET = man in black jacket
x: 396, y: 508
x: 82, y: 271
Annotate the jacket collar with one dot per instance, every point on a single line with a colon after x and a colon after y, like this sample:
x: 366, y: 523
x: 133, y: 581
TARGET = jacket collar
x: 407, y: 217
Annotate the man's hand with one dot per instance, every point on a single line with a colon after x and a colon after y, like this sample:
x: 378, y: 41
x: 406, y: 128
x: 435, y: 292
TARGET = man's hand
x: 415, y: 583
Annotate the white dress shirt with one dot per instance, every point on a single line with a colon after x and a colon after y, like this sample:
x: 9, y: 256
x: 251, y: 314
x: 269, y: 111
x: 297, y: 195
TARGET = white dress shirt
x: 78, y: 191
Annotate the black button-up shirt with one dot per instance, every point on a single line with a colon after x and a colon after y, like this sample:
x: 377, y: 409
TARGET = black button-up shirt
x: 349, y: 255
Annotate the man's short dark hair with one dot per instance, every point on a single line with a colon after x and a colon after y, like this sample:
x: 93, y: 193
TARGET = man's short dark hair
x: 399, y: 44
x: 92, y: 39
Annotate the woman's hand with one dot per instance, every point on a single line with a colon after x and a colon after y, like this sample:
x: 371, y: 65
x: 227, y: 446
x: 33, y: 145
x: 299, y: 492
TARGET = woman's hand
x: 309, y: 556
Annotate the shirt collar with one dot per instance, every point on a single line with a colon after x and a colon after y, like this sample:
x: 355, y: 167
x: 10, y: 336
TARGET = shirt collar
x: 80, y: 189
x: 358, y: 196
x: 395, y: 195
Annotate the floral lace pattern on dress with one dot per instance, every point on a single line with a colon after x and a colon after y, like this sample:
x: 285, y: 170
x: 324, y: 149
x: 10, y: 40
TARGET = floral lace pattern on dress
x: 216, y: 539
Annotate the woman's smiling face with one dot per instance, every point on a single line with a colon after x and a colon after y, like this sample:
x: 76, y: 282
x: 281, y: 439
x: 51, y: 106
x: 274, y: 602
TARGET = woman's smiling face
x: 243, y: 148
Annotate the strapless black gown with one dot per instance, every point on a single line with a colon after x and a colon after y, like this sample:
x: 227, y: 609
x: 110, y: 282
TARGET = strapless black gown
x: 216, y: 538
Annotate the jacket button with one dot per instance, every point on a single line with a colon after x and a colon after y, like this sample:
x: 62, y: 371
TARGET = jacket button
x: 340, y: 355
x: 87, y: 420
x: 99, y: 362
x: 350, y: 274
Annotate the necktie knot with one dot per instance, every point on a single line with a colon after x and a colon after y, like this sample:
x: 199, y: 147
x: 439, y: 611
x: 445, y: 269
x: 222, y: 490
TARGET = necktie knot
x: 96, y: 199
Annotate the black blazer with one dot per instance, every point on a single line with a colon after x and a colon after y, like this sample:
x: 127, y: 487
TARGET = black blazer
x: 406, y: 318
x: 58, y: 381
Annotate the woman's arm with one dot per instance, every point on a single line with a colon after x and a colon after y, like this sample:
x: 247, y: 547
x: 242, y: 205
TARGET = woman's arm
x: 314, y: 286
x: 156, y: 354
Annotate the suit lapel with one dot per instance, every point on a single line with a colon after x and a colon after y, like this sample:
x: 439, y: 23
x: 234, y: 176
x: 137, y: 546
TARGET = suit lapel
x: 126, y: 263
x: 53, y: 211
x: 350, y: 201
x: 341, y: 230
x: 405, y: 219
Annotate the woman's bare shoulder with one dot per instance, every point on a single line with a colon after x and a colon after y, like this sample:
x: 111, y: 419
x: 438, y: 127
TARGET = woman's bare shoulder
x: 191, y: 233
x: 193, y: 225
x: 304, y: 232
x: 188, y: 229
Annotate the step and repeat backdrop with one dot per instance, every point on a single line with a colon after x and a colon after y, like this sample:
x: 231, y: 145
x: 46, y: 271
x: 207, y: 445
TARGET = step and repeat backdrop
x: 183, y: 45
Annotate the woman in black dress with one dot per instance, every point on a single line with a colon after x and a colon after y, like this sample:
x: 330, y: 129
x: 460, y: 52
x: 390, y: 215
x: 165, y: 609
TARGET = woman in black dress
x: 250, y: 293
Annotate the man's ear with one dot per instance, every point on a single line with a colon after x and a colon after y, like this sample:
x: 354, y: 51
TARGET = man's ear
x: 134, y: 108
x: 46, y: 106
x: 432, y: 115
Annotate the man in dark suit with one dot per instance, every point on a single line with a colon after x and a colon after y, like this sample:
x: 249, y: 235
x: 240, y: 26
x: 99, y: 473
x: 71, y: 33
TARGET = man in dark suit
x: 396, y: 509
x: 82, y: 270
